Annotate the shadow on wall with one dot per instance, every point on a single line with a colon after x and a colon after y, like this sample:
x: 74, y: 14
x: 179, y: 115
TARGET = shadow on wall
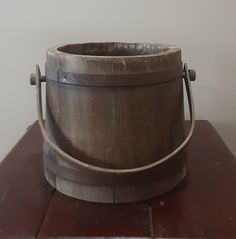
x: 228, y: 132
x: 217, y: 104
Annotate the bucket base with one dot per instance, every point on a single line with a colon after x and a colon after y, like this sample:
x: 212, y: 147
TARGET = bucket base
x: 116, y: 194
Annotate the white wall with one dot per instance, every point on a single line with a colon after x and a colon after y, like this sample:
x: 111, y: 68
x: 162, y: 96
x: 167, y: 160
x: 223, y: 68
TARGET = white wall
x: 204, y: 29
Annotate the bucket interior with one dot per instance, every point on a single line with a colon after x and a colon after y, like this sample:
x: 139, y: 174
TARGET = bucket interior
x: 114, y: 49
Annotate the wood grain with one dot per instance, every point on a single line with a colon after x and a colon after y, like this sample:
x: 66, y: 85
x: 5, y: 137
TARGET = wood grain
x: 24, y: 192
x: 119, y: 119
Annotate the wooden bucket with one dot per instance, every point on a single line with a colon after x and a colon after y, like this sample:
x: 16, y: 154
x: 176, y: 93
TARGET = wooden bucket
x: 114, y: 127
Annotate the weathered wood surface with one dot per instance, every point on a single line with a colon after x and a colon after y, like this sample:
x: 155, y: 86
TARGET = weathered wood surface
x: 123, y: 127
x: 202, y: 206
x: 124, y: 117
x: 96, y: 124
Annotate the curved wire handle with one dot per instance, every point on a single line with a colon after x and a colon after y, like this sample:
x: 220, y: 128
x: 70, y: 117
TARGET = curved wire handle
x: 77, y: 162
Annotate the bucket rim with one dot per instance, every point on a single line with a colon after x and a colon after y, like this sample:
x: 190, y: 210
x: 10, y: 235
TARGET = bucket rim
x: 155, y: 49
x: 162, y: 60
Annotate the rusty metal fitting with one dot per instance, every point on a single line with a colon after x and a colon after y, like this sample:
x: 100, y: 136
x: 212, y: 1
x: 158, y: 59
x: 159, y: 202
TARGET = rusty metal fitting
x: 192, y: 74
x: 33, y: 79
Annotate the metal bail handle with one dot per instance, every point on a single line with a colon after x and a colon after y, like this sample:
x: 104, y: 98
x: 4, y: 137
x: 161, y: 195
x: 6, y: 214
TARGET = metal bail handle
x: 36, y: 79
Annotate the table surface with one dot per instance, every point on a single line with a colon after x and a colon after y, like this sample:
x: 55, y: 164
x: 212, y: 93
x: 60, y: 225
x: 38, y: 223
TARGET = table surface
x: 203, y: 205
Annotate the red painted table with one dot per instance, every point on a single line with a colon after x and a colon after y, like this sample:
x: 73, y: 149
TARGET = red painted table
x: 203, y: 205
